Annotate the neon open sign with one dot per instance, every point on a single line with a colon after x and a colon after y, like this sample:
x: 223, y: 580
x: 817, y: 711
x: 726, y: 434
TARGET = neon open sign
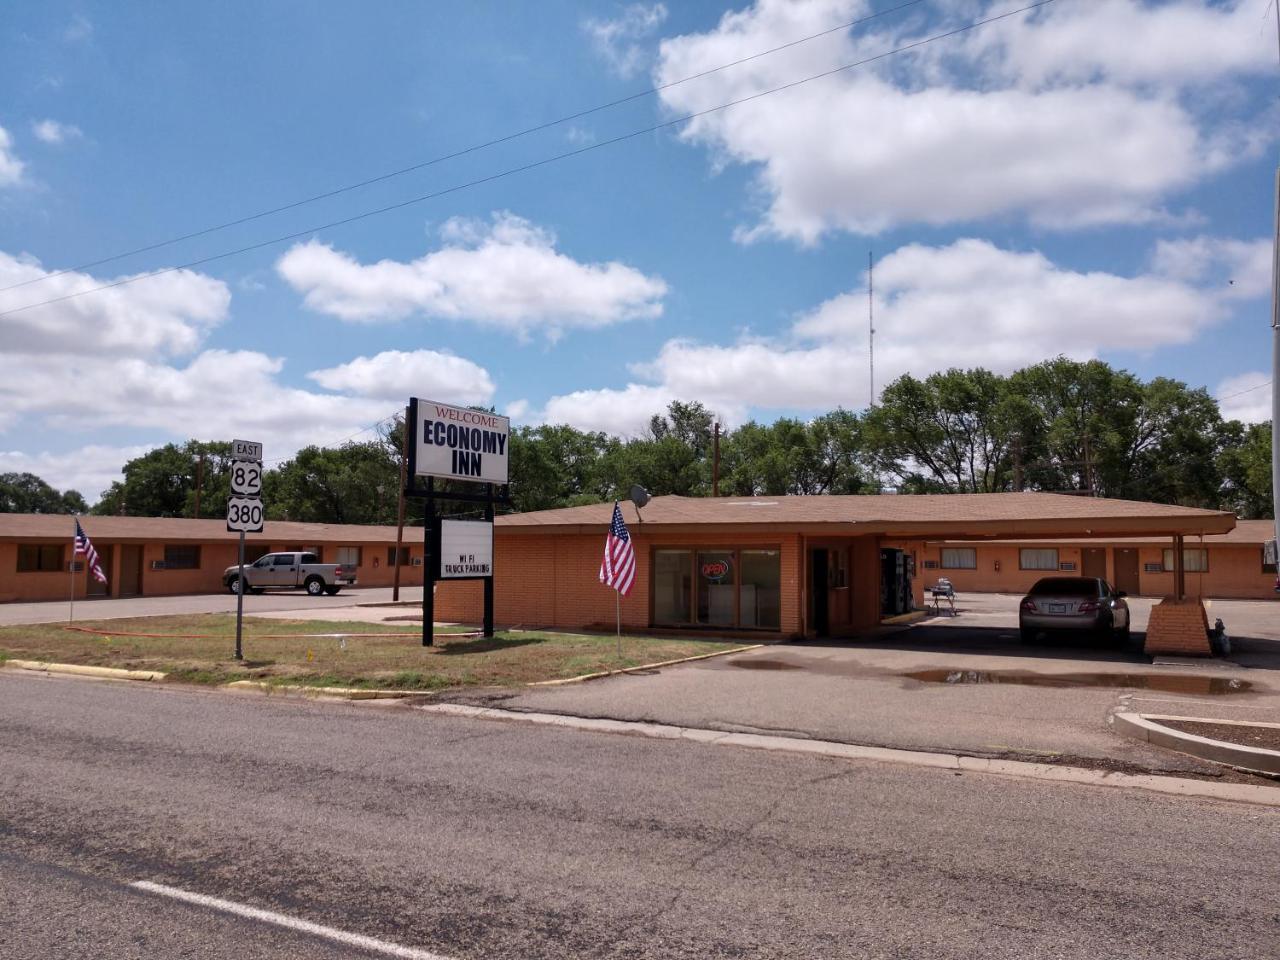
x: 716, y: 570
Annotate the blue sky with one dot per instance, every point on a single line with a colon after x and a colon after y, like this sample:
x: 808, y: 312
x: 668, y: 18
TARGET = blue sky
x: 1091, y: 178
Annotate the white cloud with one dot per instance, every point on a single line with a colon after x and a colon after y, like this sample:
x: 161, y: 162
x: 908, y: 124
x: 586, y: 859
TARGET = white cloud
x: 623, y: 412
x: 170, y: 313
x: 1245, y: 397
x: 10, y: 166
x: 397, y: 375
x: 966, y: 129
x: 506, y: 273
x: 1183, y: 42
x: 1240, y: 268
x: 621, y: 41
x: 53, y: 132
x: 517, y: 409
x: 968, y: 304
x: 89, y: 469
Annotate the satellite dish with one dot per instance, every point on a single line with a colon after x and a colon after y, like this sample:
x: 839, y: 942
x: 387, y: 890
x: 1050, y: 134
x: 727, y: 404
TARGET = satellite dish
x: 639, y: 496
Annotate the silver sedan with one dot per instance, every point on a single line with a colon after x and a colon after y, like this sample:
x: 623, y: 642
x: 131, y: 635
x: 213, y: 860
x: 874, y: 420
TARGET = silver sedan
x: 1074, y: 603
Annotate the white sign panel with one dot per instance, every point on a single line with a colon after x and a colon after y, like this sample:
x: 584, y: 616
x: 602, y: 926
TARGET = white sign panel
x: 244, y: 514
x: 460, y: 444
x: 466, y: 549
x: 246, y: 450
x: 246, y: 478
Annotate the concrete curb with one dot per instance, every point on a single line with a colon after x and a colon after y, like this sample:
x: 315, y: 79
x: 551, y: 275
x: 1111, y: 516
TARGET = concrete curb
x: 340, y: 693
x: 1147, y: 727
x: 1176, y: 786
x: 82, y: 670
x: 582, y: 678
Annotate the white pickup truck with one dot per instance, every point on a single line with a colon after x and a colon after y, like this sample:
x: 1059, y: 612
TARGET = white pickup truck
x: 289, y: 571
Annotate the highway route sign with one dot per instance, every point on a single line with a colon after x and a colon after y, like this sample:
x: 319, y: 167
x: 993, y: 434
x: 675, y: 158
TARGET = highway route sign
x: 244, y: 514
x: 246, y: 478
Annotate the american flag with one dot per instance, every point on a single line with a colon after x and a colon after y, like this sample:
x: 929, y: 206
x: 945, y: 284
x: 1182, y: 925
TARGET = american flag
x: 85, y: 545
x: 618, y: 569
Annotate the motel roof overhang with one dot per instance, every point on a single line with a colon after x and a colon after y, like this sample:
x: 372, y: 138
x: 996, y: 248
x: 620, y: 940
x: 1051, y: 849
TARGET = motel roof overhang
x: 45, y: 527
x: 979, y: 516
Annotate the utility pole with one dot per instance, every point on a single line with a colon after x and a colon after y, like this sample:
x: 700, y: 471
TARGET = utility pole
x: 199, y: 483
x: 871, y: 329
x: 1275, y: 359
x: 715, y: 462
x: 1017, y: 464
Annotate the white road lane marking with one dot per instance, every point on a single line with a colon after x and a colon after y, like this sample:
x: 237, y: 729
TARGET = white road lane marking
x: 290, y: 923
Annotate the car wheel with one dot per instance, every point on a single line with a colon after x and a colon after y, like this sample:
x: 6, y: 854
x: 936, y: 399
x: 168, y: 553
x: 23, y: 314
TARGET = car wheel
x: 315, y: 586
x: 233, y: 584
x: 1123, y: 635
x: 332, y: 591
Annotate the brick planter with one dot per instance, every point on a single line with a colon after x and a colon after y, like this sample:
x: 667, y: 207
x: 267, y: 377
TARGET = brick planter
x: 1179, y: 627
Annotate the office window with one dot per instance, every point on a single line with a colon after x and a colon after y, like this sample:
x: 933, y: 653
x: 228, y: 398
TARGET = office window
x: 391, y: 556
x: 1194, y: 560
x: 760, y: 594
x: 959, y: 558
x: 672, y: 586
x: 1036, y: 558
x: 348, y: 556
x: 717, y: 586
x: 181, y: 556
x: 40, y: 557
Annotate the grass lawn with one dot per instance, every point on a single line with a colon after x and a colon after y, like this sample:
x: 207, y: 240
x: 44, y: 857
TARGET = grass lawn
x: 204, y: 654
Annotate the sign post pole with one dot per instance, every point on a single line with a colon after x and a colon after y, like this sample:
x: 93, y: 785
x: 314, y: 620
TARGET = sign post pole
x: 244, y: 512
x: 431, y: 563
x: 71, y: 612
x: 240, y: 599
x: 488, y: 581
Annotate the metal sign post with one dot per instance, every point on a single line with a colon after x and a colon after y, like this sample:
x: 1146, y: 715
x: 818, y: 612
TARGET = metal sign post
x: 244, y: 513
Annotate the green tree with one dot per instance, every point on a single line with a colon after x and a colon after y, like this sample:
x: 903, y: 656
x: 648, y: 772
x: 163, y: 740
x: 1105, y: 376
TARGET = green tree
x: 163, y: 482
x: 27, y: 493
x: 952, y: 431
x: 354, y: 483
x: 1245, y: 462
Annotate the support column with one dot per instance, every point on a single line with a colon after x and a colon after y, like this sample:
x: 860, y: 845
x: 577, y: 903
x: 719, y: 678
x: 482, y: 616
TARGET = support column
x: 1179, y: 569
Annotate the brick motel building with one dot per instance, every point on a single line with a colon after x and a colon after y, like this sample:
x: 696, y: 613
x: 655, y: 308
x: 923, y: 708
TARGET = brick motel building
x: 159, y: 556
x: 763, y: 567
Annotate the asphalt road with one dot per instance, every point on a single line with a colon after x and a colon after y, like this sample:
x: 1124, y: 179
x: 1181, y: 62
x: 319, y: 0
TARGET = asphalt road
x: 487, y: 839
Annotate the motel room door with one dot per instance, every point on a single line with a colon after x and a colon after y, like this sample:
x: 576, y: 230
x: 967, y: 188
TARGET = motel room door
x: 1093, y: 562
x: 130, y: 570
x: 819, y: 593
x: 1126, y: 563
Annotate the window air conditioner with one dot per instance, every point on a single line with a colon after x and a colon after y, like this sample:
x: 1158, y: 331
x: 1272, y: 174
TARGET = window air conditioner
x: 417, y: 561
x: 157, y: 564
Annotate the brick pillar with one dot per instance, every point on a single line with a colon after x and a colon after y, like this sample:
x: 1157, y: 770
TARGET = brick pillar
x: 1179, y: 627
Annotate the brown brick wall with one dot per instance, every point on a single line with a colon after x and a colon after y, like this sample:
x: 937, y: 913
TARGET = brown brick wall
x: 1179, y: 627
x: 551, y: 580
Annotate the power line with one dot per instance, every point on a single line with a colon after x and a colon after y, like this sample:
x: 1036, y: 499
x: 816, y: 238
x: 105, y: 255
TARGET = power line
x: 373, y: 426
x: 524, y: 168
x: 506, y: 138
x: 1241, y: 393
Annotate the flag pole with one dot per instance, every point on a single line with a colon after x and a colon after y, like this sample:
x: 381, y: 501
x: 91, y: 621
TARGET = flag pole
x: 618, y: 596
x: 71, y: 610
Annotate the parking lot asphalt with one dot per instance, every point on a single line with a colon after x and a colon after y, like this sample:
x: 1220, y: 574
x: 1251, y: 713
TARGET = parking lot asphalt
x: 950, y: 683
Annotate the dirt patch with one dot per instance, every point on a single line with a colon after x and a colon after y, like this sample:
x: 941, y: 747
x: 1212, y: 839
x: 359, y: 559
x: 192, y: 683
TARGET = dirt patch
x: 1265, y: 738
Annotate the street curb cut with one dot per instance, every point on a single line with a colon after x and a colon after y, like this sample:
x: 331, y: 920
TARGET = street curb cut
x: 341, y: 693
x: 1147, y: 726
x: 1175, y: 786
x: 582, y: 678
x: 83, y: 670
